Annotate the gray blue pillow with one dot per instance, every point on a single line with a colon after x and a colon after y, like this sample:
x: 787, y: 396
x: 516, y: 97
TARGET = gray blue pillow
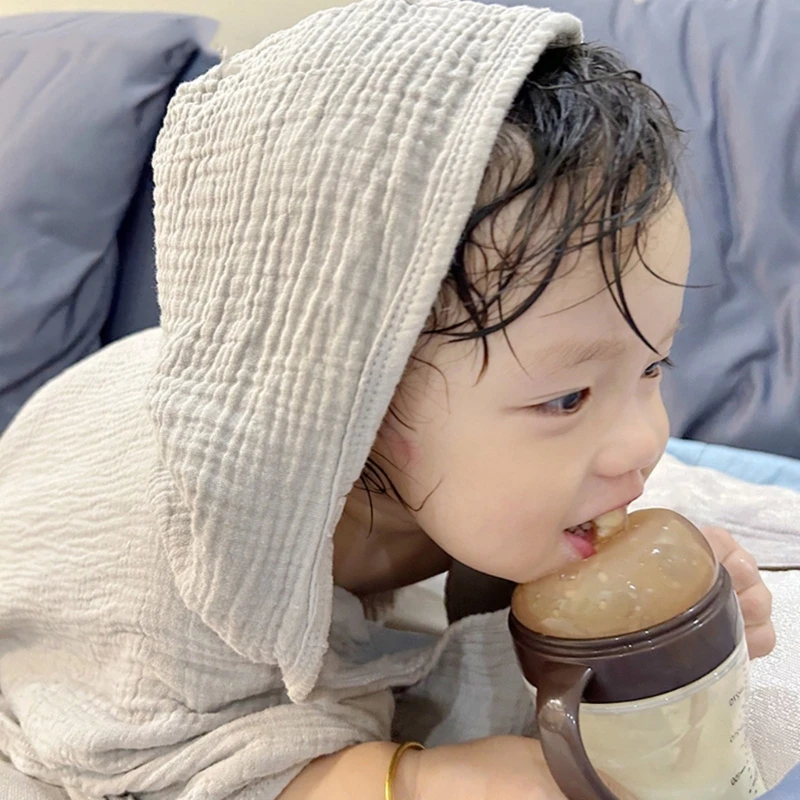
x: 82, y: 98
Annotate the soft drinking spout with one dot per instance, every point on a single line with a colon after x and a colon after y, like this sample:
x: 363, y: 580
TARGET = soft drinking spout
x: 657, y: 566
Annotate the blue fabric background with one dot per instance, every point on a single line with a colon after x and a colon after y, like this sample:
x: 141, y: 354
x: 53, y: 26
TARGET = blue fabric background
x: 82, y: 98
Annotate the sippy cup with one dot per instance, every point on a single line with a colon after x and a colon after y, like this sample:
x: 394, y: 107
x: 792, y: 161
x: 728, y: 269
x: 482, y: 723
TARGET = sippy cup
x: 637, y: 662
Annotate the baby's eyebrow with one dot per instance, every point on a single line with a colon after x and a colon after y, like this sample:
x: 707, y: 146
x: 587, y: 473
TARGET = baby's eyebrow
x: 571, y: 353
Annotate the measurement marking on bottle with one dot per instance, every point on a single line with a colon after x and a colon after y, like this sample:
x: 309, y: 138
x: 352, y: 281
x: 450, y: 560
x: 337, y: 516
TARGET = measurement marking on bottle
x: 736, y: 697
x: 736, y: 778
x: 737, y: 733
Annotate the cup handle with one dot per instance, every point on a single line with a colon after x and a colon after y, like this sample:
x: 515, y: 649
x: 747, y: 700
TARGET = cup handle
x: 558, y: 697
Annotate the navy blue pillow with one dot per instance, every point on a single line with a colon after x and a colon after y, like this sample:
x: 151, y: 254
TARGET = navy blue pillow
x: 82, y: 98
x: 730, y: 70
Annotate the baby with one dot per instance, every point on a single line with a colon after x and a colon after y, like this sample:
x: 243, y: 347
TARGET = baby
x: 421, y: 264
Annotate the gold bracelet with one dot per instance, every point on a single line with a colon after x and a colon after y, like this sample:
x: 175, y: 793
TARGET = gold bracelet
x: 395, y: 763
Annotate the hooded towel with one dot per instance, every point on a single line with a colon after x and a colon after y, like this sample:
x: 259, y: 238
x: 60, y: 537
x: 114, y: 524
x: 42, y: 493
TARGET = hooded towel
x: 310, y: 194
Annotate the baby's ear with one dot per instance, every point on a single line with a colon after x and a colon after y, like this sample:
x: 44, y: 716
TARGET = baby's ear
x: 469, y: 592
x: 394, y: 442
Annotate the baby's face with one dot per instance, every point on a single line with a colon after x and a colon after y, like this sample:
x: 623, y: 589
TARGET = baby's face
x: 566, y: 423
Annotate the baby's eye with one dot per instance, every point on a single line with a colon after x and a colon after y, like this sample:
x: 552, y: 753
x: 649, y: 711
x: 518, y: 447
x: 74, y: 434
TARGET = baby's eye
x: 655, y: 369
x: 567, y: 404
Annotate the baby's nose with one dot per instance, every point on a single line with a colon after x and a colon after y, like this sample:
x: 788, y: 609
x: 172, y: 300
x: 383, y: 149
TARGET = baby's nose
x: 632, y: 447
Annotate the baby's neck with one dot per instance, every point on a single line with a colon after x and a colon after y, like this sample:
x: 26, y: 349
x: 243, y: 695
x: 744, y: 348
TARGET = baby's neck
x: 383, y: 549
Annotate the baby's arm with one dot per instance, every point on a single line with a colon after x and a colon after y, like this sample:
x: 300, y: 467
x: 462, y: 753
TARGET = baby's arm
x: 496, y: 768
x: 357, y: 773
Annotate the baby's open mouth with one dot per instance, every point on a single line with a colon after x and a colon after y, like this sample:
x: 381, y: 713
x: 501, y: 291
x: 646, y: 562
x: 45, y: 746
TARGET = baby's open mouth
x: 600, y: 528
x: 587, y: 531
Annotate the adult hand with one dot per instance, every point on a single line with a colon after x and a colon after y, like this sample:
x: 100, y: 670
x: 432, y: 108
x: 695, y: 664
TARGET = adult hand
x: 754, y: 597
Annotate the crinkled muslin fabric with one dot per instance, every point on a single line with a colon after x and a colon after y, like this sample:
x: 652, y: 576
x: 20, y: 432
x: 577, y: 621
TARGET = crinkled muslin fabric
x: 310, y: 195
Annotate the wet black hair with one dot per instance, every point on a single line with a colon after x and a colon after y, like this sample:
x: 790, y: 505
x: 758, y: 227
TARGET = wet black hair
x: 591, y: 154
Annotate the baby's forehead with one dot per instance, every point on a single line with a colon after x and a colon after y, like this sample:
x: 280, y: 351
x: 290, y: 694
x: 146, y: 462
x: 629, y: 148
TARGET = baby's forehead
x: 565, y: 328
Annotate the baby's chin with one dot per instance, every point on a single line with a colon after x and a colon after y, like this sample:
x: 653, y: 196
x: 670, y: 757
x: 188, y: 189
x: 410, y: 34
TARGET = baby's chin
x: 566, y: 554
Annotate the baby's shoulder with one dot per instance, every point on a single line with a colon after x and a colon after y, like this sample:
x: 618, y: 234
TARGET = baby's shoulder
x: 96, y: 400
